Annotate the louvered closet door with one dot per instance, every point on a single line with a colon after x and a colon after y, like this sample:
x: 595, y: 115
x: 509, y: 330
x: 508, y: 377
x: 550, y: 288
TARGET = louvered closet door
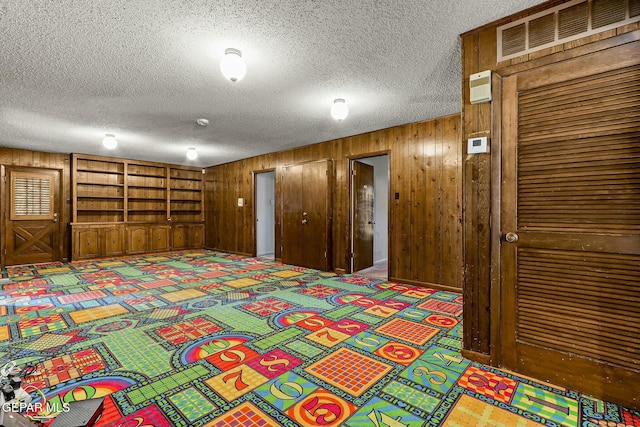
x: 571, y: 223
x: 32, y: 226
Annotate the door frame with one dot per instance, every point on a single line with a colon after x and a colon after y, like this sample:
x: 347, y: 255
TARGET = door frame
x: 255, y: 174
x: 4, y: 213
x: 351, y: 159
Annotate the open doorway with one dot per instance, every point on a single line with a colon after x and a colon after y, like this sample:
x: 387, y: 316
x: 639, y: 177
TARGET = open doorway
x: 370, y: 216
x: 265, y: 185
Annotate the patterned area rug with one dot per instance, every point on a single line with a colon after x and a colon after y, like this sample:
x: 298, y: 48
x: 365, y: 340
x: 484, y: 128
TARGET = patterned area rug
x: 201, y: 338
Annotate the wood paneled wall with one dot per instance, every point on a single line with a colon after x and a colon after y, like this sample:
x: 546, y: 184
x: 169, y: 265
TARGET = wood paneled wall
x: 425, y: 220
x: 37, y: 159
x: 481, y: 291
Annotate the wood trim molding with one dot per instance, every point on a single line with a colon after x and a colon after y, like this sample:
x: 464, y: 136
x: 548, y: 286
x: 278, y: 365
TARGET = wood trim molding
x: 476, y: 357
x: 495, y: 349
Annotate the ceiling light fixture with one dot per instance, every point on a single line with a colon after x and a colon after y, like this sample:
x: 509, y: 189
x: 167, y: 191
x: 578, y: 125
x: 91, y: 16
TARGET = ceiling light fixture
x: 192, y: 154
x: 339, y: 109
x: 110, y: 141
x: 232, y: 65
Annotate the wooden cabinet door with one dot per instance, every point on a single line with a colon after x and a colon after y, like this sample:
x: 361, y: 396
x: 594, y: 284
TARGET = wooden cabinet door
x: 196, y: 235
x: 113, y: 241
x: 87, y: 243
x: 160, y: 237
x: 570, y: 222
x: 138, y: 239
x: 305, y: 202
x: 178, y: 237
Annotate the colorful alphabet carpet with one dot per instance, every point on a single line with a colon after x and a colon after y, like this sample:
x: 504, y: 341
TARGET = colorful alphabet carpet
x: 201, y: 338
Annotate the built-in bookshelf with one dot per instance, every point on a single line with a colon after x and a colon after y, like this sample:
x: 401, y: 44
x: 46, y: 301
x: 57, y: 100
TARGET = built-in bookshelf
x: 186, y: 195
x: 123, y: 206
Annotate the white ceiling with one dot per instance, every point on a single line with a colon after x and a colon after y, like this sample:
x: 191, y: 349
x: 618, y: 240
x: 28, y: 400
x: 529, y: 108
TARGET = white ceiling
x: 145, y: 70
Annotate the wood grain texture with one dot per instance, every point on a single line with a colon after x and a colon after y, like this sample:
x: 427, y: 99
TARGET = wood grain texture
x: 480, y: 278
x: 35, y: 159
x: 425, y: 221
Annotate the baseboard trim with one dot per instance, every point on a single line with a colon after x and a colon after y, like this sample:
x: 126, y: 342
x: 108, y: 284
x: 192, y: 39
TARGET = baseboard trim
x: 476, y: 357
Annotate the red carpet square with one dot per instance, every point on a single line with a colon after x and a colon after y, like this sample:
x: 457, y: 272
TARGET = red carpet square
x: 349, y: 371
x: 407, y: 330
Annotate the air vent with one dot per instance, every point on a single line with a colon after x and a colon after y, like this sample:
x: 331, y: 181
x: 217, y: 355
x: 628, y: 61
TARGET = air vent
x: 607, y: 12
x: 563, y: 23
x: 541, y: 30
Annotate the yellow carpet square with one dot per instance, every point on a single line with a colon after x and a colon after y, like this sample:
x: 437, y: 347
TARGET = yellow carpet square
x: 182, y: 295
x: 82, y: 316
x: 472, y: 412
x: 328, y: 337
x: 53, y: 270
x: 4, y: 333
x: 286, y: 273
x: 241, y: 283
x: 236, y: 382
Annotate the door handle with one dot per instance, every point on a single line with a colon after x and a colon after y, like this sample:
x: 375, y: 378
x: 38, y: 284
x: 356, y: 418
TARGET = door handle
x: 304, y: 221
x: 55, y: 217
x: 511, y: 237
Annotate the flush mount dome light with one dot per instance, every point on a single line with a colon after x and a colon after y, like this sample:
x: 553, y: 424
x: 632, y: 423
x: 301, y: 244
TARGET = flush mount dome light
x: 339, y: 109
x: 192, y: 154
x: 109, y: 141
x: 232, y: 65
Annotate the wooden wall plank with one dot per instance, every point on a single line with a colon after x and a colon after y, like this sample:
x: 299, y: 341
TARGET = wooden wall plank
x: 409, y: 232
x: 425, y: 191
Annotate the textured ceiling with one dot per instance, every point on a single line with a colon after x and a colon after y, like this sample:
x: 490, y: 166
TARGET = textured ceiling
x: 145, y: 70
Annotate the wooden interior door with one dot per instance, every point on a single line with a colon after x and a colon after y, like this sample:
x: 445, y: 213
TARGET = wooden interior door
x: 293, y: 242
x: 570, y: 251
x: 315, y: 213
x: 362, y: 215
x: 32, y: 226
x: 305, y: 211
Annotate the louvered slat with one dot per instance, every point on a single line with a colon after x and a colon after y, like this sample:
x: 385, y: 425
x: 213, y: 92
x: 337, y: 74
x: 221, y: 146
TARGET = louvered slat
x: 31, y: 196
x: 579, y: 154
x: 573, y: 20
x: 514, y: 40
x: 580, y: 303
x: 606, y: 12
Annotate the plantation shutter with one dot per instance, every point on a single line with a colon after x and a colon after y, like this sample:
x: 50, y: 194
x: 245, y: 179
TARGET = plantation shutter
x: 32, y: 197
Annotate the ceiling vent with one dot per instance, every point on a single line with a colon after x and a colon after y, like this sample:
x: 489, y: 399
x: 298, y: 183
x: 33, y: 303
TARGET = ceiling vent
x: 563, y: 23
